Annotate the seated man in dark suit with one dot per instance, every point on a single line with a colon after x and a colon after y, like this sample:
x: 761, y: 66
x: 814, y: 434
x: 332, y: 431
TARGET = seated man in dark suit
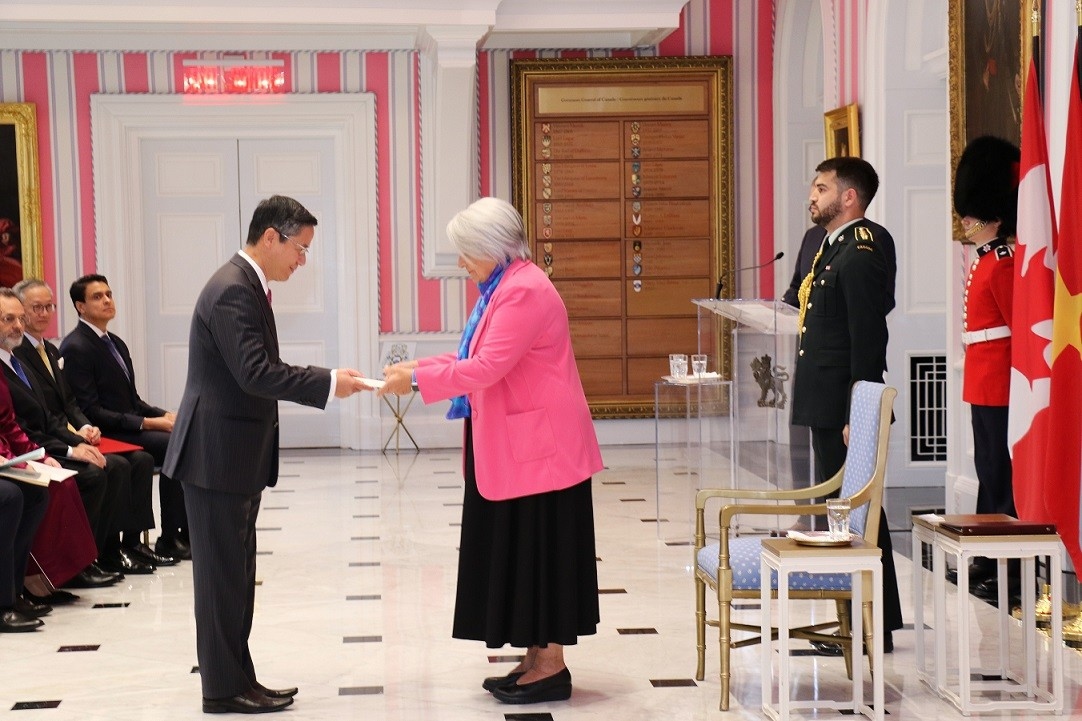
x: 98, y: 368
x: 110, y: 476
x: 22, y: 506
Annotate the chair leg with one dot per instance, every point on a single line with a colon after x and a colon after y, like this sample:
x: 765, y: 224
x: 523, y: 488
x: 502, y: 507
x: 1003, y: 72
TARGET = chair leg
x: 725, y: 637
x: 869, y: 635
x: 844, y: 631
x: 700, y: 628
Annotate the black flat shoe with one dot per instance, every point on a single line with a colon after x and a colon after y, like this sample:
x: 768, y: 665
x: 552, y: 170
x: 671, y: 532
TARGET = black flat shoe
x: 248, y: 702
x: 494, y: 682
x: 56, y: 598
x: 556, y: 687
x: 276, y: 692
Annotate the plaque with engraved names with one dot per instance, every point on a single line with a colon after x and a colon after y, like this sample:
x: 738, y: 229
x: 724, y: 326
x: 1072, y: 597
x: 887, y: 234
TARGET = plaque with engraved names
x: 571, y: 140
x: 668, y: 218
x: 667, y: 139
x: 622, y: 169
x: 571, y: 220
x: 577, y: 180
x: 668, y: 178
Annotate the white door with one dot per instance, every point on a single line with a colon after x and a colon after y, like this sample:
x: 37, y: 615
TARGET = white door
x: 197, y: 199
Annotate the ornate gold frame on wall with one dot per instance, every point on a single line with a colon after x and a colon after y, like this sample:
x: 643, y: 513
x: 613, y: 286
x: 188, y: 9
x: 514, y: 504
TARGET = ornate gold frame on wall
x: 715, y: 72
x: 20, y: 160
x: 842, y: 128
x: 968, y: 123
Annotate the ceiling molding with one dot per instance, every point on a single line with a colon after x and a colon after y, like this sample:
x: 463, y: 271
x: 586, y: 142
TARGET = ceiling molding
x: 283, y: 25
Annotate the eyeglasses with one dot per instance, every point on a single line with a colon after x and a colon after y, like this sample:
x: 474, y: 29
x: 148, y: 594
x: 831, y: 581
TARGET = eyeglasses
x: 39, y: 308
x: 305, y: 250
x: 10, y: 319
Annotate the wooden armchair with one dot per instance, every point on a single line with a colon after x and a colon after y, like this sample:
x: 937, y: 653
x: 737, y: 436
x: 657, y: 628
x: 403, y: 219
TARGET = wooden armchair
x: 730, y: 567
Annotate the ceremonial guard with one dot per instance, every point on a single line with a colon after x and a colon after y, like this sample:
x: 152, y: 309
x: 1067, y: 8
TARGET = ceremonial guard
x: 986, y: 198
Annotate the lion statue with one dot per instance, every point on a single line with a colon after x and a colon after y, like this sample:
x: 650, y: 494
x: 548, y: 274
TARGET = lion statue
x: 771, y: 380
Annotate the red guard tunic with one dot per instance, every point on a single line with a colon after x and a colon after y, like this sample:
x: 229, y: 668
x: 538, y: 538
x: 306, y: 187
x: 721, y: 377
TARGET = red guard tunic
x: 986, y: 325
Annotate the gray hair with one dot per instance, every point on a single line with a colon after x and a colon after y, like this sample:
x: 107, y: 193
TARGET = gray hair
x: 26, y: 284
x: 489, y: 229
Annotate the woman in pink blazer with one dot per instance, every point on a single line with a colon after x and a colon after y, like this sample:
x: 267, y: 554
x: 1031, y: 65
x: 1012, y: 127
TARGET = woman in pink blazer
x: 527, y: 571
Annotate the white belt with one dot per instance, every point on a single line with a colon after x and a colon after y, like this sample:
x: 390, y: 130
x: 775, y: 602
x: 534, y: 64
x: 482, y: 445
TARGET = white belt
x: 987, y: 334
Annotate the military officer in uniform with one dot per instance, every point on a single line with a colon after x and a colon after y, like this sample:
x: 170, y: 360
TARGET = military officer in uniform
x: 844, y: 301
x: 986, y: 198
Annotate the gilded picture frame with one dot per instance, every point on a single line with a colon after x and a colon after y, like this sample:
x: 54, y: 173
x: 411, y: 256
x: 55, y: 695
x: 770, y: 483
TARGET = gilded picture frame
x: 989, y: 48
x: 651, y: 90
x: 20, y: 198
x: 842, y: 128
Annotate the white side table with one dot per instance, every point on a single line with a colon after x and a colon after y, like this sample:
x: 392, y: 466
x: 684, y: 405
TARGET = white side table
x: 924, y: 534
x: 1001, y: 547
x: 786, y: 556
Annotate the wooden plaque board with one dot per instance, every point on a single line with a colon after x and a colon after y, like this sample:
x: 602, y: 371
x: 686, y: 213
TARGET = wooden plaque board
x: 622, y: 169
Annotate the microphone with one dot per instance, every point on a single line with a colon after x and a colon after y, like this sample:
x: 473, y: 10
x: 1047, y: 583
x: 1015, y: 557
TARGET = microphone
x: 731, y: 273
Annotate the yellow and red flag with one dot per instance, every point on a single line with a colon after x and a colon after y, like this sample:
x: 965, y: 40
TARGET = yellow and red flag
x: 1063, y: 467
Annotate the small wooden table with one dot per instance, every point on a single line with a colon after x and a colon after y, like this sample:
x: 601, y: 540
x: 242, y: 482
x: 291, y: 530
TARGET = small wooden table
x: 786, y: 556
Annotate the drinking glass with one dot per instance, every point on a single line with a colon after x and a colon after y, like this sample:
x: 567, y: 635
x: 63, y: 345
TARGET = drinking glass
x: 838, y: 518
x: 678, y: 365
x: 698, y: 364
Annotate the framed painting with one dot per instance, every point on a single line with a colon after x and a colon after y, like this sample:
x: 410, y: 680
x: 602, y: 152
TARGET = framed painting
x: 623, y: 172
x: 842, y: 126
x: 989, y: 44
x: 20, y: 201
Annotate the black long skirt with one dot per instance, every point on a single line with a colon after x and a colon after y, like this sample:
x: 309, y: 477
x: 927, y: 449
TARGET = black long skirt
x: 527, y: 568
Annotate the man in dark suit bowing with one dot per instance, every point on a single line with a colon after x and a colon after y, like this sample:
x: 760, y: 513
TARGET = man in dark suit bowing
x: 844, y: 301
x: 98, y: 368
x: 225, y: 443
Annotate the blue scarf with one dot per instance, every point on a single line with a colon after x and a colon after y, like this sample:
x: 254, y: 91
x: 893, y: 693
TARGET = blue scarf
x: 460, y: 405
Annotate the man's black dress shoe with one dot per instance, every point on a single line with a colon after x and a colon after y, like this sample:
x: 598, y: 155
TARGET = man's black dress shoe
x: 124, y: 561
x: 556, y: 687
x: 494, y: 682
x: 11, y: 621
x: 94, y: 576
x: 276, y: 692
x: 173, y: 548
x: 250, y: 701
x: 830, y: 648
x: 988, y: 591
x: 978, y: 573
x: 56, y: 598
x: 143, y: 553
x: 29, y: 608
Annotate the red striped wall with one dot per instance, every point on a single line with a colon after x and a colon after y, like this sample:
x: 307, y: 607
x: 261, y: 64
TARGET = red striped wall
x: 64, y: 131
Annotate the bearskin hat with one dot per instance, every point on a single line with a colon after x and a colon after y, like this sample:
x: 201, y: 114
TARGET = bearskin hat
x: 986, y: 182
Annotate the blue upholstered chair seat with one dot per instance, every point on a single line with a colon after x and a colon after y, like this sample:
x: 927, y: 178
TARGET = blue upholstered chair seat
x: 861, y: 481
x: 744, y: 560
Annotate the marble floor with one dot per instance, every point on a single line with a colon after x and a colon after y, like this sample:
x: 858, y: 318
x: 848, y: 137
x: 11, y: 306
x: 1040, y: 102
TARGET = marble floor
x: 357, y: 584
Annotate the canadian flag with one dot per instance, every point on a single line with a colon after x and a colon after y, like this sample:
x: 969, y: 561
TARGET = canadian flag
x: 1063, y: 464
x: 1031, y: 348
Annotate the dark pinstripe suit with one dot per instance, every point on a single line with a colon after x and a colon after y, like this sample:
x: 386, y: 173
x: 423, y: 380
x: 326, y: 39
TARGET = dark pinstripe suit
x: 225, y: 452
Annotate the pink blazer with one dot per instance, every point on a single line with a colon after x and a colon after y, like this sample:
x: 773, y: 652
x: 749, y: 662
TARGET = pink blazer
x: 532, y: 430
